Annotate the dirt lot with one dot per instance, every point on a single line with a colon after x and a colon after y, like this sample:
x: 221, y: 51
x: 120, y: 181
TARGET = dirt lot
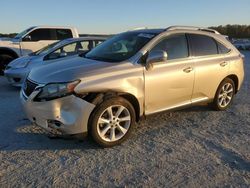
x: 189, y: 148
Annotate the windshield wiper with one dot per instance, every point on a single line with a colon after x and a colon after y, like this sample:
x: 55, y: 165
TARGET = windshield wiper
x: 101, y: 59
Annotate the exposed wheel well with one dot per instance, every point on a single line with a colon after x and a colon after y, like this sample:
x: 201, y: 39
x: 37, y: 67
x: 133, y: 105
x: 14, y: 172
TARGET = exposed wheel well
x: 235, y: 80
x: 7, y: 51
x: 97, y: 98
x: 132, y: 99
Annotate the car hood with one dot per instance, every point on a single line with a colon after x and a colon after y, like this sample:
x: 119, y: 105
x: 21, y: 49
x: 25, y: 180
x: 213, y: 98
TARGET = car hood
x: 67, y: 70
x: 27, y: 58
x: 6, y: 42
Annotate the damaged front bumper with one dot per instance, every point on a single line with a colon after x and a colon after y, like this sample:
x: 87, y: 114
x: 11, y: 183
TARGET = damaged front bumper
x: 67, y: 115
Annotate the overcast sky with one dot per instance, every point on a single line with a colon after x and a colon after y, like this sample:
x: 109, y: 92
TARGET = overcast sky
x: 113, y: 16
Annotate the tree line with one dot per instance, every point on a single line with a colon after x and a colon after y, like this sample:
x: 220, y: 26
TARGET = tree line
x: 11, y: 35
x: 233, y: 31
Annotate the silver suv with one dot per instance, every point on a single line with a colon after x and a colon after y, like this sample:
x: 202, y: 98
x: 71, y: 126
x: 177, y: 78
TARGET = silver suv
x: 133, y: 74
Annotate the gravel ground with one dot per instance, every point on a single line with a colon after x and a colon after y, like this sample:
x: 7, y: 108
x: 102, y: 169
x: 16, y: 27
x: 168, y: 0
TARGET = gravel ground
x: 189, y: 148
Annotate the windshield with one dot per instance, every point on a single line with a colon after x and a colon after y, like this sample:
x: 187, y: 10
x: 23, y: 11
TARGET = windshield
x: 120, y: 47
x: 20, y: 35
x: 46, y: 49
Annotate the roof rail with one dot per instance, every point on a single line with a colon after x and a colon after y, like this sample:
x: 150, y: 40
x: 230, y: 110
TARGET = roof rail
x: 192, y: 28
x: 137, y: 28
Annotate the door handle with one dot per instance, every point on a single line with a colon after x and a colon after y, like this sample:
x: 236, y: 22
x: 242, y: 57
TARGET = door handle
x: 223, y: 64
x: 188, y: 69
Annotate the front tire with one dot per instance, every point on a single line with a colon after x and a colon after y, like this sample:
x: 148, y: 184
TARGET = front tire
x: 224, y: 95
x: 112, y: 121
x: 4, y: 61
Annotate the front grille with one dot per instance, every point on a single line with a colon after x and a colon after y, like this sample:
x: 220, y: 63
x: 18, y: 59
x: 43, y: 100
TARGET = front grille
x: 17, y: 79
x: 29, y: 87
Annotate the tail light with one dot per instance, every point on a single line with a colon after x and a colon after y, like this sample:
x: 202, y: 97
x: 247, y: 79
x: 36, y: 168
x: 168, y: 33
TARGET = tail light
x: 242, y: 57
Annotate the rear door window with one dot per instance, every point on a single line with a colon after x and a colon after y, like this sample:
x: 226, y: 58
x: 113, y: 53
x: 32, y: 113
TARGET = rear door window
x: 85, y: 46
x: 63, y: 34
x: 97, y: 42
x: 202, y: 45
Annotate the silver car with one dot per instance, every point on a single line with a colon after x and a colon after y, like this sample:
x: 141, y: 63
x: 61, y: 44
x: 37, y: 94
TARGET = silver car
x: 17, y: 71
x: 133, y: 74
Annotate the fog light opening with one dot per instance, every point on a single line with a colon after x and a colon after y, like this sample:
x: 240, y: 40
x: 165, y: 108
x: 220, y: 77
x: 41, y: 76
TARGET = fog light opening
x: 54, y: 123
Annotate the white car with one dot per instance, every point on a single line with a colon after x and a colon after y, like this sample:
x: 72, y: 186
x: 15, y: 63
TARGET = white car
x: 242, y: 44
x: 17, y: 71
x: 31, y: 40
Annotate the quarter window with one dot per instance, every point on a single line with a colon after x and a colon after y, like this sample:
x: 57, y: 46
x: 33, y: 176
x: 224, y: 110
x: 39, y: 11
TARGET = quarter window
x: 202, y: 45
x: 175, y: 46
x: 222, y: 49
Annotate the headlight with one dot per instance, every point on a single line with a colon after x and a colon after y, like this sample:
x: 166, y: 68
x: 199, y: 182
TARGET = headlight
x: 56, y: 90
x: 22, y: 64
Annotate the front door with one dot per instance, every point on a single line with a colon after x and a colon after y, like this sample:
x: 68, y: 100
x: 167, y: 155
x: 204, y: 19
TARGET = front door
x: 170, y: 84
x: 37, y: 39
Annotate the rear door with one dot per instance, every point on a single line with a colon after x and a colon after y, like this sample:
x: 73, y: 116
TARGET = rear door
x: 209, y: 64
x: 62, y: 34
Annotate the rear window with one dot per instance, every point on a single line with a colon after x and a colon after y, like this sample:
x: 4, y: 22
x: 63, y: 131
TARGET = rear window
x: 202, y: 45
x: 63, y: 34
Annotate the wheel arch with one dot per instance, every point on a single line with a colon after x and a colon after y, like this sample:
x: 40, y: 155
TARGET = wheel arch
x: 98, y: 97
x: 235, y: 80
x: 8, y: 51
x: 134, y: 102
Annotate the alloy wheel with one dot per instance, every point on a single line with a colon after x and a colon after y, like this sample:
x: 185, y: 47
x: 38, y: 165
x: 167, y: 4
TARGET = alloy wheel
x: 113, y: 123
x: 225, y: 95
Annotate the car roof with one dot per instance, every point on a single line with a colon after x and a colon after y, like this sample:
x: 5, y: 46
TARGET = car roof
x: 53, y: 27
x: 150, y: 31
x: 176, y: 28
x: 85, y: 38
x: 69, y: 40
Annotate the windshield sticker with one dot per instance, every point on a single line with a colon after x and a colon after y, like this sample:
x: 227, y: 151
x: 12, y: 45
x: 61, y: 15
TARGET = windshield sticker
x: 145, y: 35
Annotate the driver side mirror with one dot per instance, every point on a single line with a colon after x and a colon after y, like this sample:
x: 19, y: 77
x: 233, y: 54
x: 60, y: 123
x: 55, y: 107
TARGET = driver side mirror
x: 155, y: 57
x: 63, y: 54
x: 27, y: 38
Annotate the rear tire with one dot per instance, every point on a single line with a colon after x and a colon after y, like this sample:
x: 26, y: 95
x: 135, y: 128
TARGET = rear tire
x: 4, y: 61
x: 112, y: 122
x: 224, y: 95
